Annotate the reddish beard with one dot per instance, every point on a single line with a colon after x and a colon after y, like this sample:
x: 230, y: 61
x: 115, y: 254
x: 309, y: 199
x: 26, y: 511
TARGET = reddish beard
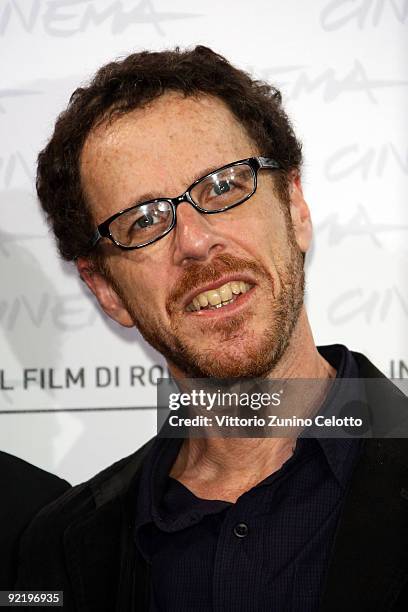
x: 258, y: 356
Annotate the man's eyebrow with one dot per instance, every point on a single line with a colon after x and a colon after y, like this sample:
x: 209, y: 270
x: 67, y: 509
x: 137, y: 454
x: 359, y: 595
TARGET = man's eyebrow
x: 152, y: 195
x: 145, y: 197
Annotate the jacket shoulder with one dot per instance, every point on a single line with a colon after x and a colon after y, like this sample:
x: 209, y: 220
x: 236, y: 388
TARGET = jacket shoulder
x: 387, y: 404
x: 42, y: 556
x: 366, y: 368
x: 93, y: 493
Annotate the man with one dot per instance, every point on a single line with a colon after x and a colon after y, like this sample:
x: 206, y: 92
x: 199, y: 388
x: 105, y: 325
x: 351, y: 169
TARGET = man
x: 173, y: 180
x: 25, y: 489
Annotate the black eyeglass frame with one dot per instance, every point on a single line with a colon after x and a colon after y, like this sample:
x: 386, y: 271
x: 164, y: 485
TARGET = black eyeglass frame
x: 255, y: 163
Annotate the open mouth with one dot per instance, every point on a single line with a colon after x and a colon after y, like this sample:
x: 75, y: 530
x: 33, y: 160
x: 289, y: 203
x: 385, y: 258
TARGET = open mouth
x: 214, y: 299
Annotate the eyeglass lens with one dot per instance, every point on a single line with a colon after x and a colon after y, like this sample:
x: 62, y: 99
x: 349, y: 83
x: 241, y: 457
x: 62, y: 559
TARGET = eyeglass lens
x: 216, y: 192
x: 224, y: 188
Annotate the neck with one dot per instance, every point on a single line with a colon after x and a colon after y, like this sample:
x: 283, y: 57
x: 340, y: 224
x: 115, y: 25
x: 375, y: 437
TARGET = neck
x: 302, y: 359
x: 224, y: 468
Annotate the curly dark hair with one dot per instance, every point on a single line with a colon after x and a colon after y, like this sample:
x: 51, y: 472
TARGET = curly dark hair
x: 122, y: 86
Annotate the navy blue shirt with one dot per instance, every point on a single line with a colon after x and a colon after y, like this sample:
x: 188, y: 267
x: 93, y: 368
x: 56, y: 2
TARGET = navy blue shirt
x: 267, y: 551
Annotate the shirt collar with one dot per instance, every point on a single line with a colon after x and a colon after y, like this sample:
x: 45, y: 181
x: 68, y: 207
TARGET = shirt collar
x: 153, y: 479
x: 341, y: 453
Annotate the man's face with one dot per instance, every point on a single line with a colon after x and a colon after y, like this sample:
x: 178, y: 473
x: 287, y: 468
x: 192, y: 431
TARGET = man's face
x: 248, y: 254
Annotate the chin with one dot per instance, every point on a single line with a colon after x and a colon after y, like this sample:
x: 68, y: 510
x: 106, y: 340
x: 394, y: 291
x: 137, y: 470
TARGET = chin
x: 241, y: 359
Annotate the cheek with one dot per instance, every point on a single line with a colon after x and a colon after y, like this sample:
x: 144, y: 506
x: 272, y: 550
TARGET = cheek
x: 143, y: 283
x: 261, y: 234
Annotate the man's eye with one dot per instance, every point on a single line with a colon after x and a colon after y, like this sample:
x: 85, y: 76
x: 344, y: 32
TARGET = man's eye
x: 145, y: 221
x: 222, y: 187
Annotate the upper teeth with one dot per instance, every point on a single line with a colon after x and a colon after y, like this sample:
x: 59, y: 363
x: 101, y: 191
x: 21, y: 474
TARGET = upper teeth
x: 221, y: 295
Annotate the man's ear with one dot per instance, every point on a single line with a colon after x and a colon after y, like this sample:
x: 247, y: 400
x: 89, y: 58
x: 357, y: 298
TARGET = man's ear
x: 107, y: 297
x: 300, y: 213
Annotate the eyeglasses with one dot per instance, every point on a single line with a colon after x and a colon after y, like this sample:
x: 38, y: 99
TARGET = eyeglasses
x: 221, y: 190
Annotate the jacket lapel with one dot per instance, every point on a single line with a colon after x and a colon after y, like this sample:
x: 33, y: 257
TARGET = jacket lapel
x: 93, y: 557
x: 106, y: 572
x: 134, y: 582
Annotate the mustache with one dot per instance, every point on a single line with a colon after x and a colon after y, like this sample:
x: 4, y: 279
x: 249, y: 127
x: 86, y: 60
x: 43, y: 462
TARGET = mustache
x: 197, y: 274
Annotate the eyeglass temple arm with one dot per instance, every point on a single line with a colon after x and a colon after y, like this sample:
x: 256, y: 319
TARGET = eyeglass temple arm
x: 268, y: 162
x: 92, y: 243
x: 95, y: 239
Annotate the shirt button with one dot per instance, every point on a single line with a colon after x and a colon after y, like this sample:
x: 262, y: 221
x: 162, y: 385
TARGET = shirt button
x: 241, y: 530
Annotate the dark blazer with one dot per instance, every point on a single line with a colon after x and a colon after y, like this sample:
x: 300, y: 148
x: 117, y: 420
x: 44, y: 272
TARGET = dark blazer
x: 24, y: 490
x: 83, y: 542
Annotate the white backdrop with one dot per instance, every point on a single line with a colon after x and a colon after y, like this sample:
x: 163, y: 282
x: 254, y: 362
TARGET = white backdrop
x: 68, y: 375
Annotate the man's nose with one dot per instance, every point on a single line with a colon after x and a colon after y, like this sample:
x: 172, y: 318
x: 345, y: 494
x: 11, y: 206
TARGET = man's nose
x: 195, y: 234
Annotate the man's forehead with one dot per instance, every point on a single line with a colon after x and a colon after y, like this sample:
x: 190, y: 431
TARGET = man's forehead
x: 168, y: 144
x: 164, y: 121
